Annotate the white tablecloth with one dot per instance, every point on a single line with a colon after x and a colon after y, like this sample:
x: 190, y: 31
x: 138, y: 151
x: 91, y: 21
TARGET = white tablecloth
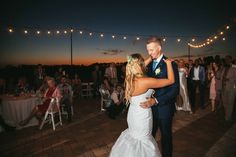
x: 16, y: 109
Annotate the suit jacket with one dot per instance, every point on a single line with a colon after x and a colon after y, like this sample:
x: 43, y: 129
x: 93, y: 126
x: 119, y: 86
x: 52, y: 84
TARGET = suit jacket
x: 231, y: 79
x: 165, y: 96
x: 202, y: 74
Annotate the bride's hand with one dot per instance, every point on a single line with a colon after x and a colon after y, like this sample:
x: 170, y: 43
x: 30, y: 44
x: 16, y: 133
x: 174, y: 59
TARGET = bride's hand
x: 168, y: 60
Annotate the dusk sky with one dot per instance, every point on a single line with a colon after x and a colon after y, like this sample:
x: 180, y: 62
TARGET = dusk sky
x: 184, y: 20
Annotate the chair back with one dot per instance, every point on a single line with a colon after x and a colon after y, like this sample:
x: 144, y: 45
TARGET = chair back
x: 105, y: 98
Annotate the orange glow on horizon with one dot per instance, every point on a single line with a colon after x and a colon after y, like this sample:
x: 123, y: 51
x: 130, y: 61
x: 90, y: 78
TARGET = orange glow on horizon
x: 64, y: 61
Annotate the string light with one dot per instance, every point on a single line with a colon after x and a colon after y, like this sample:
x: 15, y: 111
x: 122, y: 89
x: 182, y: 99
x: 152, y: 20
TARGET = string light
x: 10, y: 30
x: 211, y: 39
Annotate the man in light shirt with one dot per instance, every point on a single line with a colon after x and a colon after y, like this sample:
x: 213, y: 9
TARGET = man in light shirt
x: 197, y: 75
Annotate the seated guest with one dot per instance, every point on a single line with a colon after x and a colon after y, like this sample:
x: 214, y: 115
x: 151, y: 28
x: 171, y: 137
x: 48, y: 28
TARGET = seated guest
x: 22, y: 86
x: 76, y: 85
x: 40, y: 110
x: 67, y: 94
x: 117, y: 104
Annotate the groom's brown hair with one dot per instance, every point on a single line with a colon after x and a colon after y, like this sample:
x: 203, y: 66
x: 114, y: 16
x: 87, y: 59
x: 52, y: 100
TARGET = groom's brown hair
x: 155, y: 40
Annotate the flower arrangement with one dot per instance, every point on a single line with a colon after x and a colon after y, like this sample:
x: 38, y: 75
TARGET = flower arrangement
x: 129, y: 59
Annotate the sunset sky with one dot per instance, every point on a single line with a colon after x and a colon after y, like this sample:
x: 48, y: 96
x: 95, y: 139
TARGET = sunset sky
x: 184, y: 20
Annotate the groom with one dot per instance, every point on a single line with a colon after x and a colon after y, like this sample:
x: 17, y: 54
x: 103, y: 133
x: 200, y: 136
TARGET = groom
x: 163, y: 103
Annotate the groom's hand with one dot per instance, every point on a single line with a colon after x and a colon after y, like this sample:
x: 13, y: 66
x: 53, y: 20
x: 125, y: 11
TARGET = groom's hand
x: 150, y: 102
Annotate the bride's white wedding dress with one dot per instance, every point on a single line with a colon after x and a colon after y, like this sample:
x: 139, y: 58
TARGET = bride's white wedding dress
x: 137, y: 139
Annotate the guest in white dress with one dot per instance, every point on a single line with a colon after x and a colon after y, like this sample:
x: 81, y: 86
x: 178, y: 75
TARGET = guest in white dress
x: 137, y: 139
x: 183, y: 74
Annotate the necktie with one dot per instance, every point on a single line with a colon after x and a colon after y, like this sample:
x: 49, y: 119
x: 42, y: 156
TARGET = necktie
x: 154, y: 64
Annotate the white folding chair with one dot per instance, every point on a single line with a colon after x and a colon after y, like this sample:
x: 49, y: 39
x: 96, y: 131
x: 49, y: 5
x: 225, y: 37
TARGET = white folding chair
x: 105, y: 98
x: 86, y: 89
x: 53, y: 109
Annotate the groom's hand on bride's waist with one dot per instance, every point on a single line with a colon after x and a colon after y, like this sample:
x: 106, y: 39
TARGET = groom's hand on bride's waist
x: 149, y: 103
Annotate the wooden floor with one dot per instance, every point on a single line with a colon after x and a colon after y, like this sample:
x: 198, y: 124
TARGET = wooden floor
x: 92, y: 134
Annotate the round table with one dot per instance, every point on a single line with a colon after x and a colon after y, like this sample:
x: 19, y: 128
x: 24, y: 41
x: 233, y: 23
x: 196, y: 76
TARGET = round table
x: 16, y: 109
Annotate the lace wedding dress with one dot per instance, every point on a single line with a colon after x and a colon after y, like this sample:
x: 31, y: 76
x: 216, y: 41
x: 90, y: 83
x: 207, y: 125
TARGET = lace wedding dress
x: 137, y: 139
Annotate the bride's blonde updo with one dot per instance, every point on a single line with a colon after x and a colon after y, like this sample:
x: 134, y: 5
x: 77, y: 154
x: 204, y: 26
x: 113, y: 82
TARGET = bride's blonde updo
x: 135, y: 68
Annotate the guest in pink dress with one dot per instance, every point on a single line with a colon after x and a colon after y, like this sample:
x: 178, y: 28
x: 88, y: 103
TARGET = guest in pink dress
x: 40, y: 110
x: 211, y: 77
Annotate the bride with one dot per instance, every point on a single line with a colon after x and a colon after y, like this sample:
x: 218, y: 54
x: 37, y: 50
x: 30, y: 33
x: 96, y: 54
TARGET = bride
x: 137, y: 139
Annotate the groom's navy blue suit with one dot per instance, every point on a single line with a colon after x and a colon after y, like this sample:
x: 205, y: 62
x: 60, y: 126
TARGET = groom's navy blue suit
x: 163, y: 112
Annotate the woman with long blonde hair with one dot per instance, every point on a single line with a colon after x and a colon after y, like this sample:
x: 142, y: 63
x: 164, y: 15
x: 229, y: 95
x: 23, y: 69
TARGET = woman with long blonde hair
x: 137, y: 139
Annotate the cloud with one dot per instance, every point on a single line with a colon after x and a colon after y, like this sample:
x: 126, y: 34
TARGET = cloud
x: 112, y: 51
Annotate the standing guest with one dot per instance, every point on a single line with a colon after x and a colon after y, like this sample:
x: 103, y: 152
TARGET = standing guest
x: 189, y: 79
x: 97, y: 79
x: 183, y: 74
x: 197, y: 75
x: 39, y: 75
x: 218, y: 72
x: 111, y: 73
x: 76, y: 85
x: 228, y: 87
x: 61, y: 72
x: 122, y: 74
x: 213, y: 91
x: 39, y: 110
x: 67, y: 95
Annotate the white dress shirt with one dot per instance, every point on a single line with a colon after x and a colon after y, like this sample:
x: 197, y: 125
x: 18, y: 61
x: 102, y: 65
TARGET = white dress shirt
x: 196, y: 73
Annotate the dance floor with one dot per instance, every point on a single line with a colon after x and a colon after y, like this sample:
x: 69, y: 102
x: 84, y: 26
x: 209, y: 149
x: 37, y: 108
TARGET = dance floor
x: 92, y: 134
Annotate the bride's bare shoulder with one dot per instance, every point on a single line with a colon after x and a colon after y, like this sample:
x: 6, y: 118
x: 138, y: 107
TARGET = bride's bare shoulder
x: 143, y: 80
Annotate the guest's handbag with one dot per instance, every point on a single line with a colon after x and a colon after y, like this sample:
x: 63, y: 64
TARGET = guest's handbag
x: 179, y: 101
